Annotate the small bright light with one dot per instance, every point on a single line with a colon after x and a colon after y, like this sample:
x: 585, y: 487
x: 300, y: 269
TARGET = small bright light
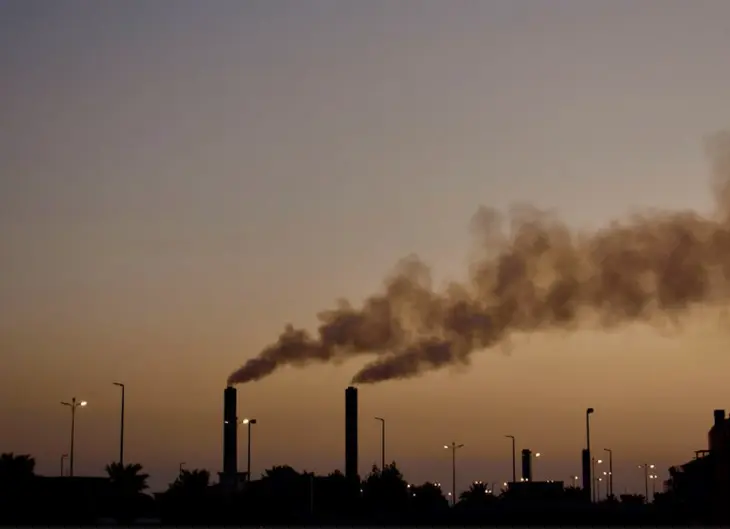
x: 245, y: 421
x: 504, y: 484
x: 537, y: 455
x: 651, y: 466
x: 446, y: 446
x: 599, y: 461
x: 84, y: 403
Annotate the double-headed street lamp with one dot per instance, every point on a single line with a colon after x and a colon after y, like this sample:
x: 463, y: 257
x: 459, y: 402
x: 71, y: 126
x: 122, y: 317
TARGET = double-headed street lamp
x: 453, y: 447
x: 646, y: 467
x: 610, y: 471
x: 73, y: 405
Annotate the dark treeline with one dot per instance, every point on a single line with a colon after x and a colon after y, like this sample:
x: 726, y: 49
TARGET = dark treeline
x: 284, y: 496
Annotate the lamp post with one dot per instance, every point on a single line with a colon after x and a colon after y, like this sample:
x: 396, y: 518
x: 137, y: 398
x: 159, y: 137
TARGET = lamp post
x: 382, y: 442
x: 249, y: 422
x: 121, y: 427
x: 646, y: 467
x: 514, y: 458
x: 73, y: 405
x: 63, y: 458
x: 575, y: 480
x: 610, y: 471
x: 453, y: 447
x: 653, y: 478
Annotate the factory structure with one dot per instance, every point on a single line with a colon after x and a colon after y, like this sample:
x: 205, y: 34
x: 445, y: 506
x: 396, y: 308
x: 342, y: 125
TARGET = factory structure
x: 232, y: 479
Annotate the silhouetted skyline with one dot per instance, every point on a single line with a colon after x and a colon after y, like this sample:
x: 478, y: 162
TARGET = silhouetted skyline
x: 177, y: 183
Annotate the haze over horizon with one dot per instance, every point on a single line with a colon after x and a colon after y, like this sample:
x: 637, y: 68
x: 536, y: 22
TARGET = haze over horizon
x: 177, y: 182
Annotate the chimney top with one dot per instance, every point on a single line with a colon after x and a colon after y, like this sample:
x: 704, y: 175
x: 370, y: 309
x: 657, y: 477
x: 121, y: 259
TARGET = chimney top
x: 719, y: 417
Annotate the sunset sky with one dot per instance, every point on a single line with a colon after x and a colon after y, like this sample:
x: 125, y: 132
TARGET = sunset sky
x: 181, y: 179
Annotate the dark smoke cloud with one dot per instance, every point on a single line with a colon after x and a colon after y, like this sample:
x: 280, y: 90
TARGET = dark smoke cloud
x: 534, y: 273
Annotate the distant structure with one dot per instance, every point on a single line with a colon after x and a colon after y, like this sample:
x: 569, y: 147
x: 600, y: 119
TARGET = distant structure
x: 230, y: 432
x: 526, y: 465
x: 351, y: 463
x: 718, y: 441
x: 586, y: 467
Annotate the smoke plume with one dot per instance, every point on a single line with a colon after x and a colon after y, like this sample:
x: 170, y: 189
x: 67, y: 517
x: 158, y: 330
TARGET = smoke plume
x: 533, y: 273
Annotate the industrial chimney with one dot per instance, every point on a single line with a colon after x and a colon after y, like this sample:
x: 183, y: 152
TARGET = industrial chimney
x: 527, y: 465
x: 351, y: 471
x: 230, y: 432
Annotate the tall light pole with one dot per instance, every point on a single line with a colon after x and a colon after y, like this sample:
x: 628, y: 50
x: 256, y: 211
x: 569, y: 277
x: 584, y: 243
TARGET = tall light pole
x: 453, y: 447
x: 382, y: 442
x: 514, y: 458
x: 575, y: 480
x: 646, y: 467
x: 653, y: 478
x: 610, y: 471
x: 249, y: 422
x: 63, y: 458
x: 587, y: 472
x: 121, y: 428
x: 73, y: 405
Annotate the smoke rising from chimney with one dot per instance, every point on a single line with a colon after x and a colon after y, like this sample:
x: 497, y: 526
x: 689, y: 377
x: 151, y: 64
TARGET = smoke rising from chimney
x: 534, y: 273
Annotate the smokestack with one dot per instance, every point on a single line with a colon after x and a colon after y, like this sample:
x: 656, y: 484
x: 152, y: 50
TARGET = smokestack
x: 719, y: 417
x: 351, y: 471
x: 526, y: 465
x: 586, y: 465
x: 230, y: 432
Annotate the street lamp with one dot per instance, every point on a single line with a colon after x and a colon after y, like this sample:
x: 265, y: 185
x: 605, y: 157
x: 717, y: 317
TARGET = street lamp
x: 249, y: 422
x: 121, y: 427
x: 575, y: 480
x: 453, y: 447
x: 73, y: 405
x: 514, y: 458
x: 382, y: 442
x: 587, y: 474
x: 537, y: 456
x: 610, y: 471
x: 653, y: 478
x: 646, y: 467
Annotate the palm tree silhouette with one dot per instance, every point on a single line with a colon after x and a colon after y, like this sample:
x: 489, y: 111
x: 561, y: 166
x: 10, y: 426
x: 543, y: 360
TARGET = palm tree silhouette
x: 127, y: 480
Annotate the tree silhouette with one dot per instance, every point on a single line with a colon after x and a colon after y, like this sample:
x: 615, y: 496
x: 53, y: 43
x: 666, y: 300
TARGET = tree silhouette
x: 385, y: 491
x: 127, y: 480
x: 477, y: 497
x: 16, y: 470
x: 428, y: 499
x: 191, y: 483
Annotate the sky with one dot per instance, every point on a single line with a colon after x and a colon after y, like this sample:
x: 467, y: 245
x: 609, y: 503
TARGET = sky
x: 179, y: 180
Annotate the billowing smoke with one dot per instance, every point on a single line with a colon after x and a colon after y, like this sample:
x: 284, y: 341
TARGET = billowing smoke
x: 534, y: 273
